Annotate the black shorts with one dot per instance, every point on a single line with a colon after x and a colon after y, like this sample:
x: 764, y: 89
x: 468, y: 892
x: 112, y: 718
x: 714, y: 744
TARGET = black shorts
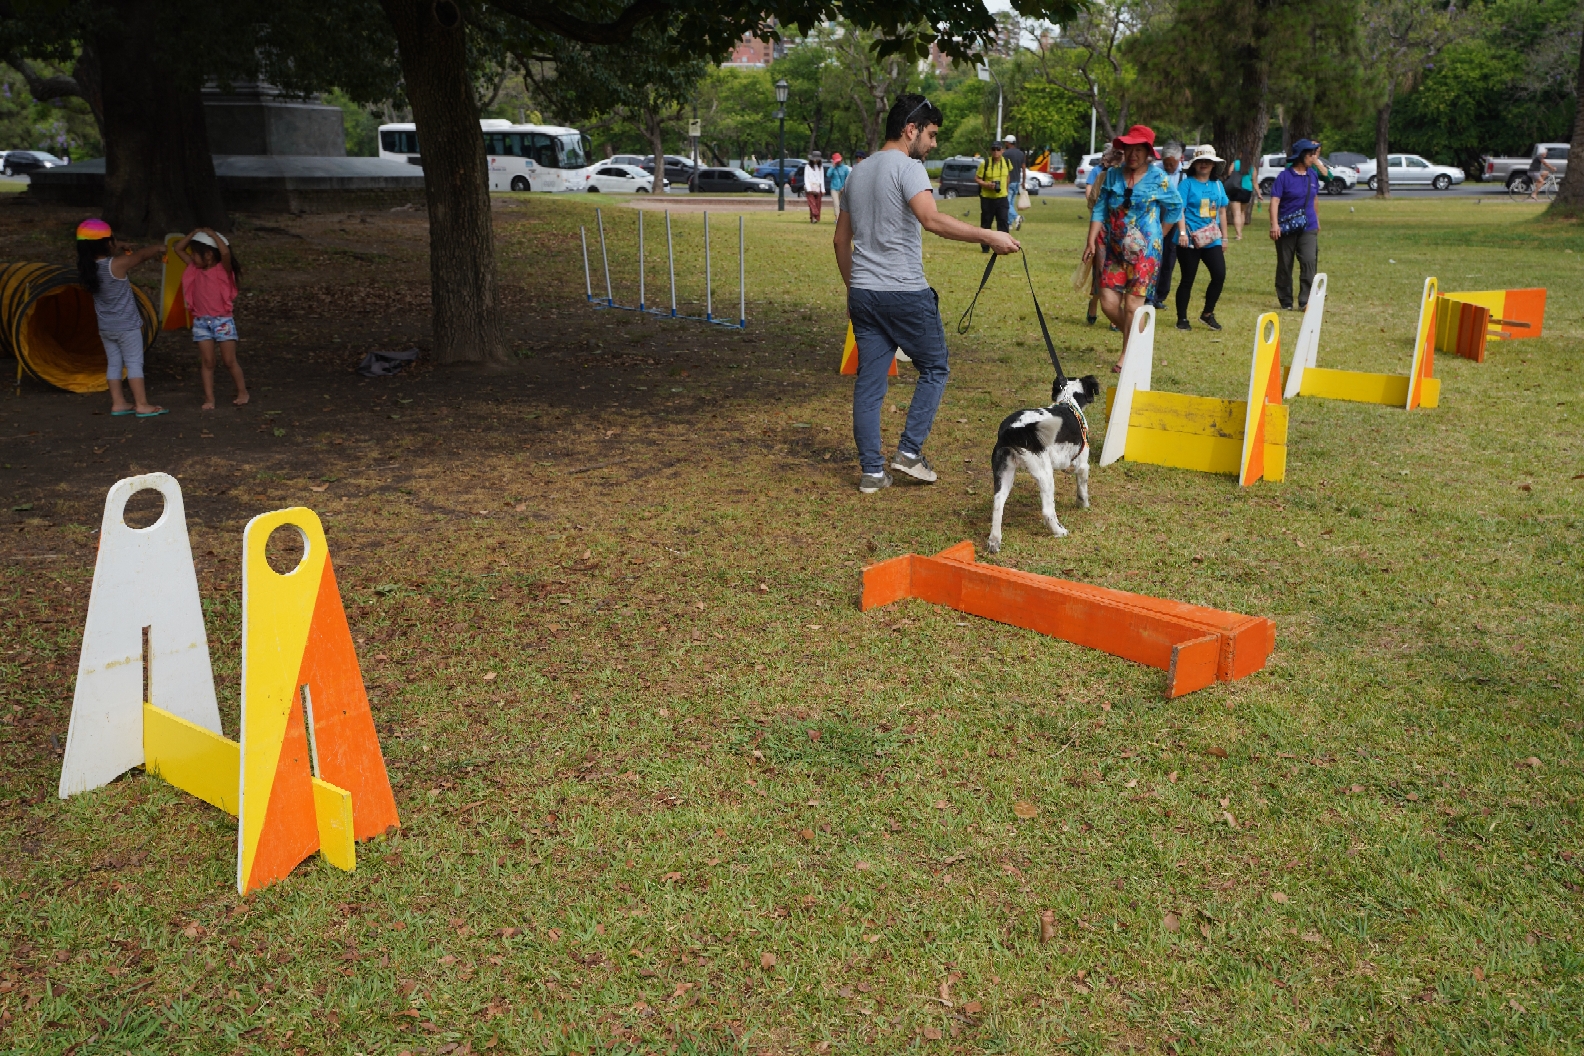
x: 1239, y: 194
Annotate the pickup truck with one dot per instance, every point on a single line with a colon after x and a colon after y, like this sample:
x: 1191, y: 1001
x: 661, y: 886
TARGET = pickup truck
x: 1510, y: 170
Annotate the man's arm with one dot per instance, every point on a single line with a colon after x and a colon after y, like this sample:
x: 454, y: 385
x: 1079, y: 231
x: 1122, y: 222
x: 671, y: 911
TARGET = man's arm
x: 844, y: 246
x: 938, y: 223
x: 1275, y: 213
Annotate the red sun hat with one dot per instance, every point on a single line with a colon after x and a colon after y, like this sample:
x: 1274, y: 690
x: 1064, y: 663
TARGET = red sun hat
x: 1135, y: 135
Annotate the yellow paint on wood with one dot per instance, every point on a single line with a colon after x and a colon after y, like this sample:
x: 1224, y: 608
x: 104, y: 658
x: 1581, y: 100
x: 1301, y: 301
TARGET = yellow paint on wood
x: 1430, y: 392
x: 1355, y: 385
x: 1206, y: 454
x: 333, y: 808
x: 1175, y: 412
x: 1275, y: 455
x: 191, y: 758
x: 1275, y: 428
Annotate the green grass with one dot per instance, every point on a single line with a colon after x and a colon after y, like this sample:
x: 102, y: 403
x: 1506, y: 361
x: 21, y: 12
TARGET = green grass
x: 603, y: 843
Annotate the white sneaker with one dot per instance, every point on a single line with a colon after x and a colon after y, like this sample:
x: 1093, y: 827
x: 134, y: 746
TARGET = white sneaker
x: 870, y: 483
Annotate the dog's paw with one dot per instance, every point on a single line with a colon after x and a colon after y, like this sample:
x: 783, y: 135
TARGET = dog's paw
x: 1060, y: 532
x: 993, y: 545
x: 1083, y: 503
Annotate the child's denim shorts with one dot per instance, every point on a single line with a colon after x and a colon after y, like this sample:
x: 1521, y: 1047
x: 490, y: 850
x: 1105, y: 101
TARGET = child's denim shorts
x: 214, y: 328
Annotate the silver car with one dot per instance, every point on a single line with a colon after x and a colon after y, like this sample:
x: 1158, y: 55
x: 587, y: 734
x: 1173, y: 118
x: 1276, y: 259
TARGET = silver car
x: 1410, y: 170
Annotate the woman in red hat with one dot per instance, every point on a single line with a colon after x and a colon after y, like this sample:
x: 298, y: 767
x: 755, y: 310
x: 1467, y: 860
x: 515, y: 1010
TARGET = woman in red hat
x: 1131, y: 213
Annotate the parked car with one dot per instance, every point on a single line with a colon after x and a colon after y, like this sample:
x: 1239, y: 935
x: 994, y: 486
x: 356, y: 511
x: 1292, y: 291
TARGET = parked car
x: 1410, y: 170
x: 1037, y: 181
x: 19, y: 162
x: 794, y: 172
x: 1514, y: 170
x: 621, y: 179
x: 957, y: 178
x: 631, y: 159
x: 1343, y: 178
x: 1347, y: 158
x: 729, y: 181
x: 1087, y: 162
x: 678, y: 170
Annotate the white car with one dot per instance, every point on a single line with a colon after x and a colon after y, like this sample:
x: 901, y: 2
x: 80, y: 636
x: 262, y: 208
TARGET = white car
x: 621, y: 179
x: 1410, y: 170
x: 1087, y: 162
x: 1037, y: 181
x: 1341, y: 180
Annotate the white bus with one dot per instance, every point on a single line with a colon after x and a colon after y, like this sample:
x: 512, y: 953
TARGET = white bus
x: 521, y: 157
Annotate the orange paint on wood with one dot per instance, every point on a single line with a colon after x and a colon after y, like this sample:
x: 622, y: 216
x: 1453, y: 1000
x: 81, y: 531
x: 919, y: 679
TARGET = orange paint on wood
x: 291, y: 823
x: 849, y: 360
x: 1525, y: 306
x: 348, y: 746
x: 1194, y: 644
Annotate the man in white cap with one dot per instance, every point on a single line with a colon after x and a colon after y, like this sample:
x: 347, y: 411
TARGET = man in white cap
x: 1014, y: 156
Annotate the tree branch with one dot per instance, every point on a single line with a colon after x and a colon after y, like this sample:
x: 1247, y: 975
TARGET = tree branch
x: 551, y: 18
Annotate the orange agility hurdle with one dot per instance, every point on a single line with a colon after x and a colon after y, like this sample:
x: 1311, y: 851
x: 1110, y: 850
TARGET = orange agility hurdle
x: 1466, y: 320
x: 1194, y: 645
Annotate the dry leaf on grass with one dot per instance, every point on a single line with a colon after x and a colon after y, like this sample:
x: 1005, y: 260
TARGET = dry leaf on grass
x: 1024, y: 809
x: 1279, y: 897
x: 1171, y: 922
x: 767, y: 960
x: 1219, y: 753
x: 1047, y: 930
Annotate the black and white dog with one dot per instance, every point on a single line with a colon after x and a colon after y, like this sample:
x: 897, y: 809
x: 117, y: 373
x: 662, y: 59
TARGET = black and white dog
x: 1044, y: 441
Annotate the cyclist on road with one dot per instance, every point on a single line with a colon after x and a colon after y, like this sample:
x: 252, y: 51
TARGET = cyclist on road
x: 1540, y: 171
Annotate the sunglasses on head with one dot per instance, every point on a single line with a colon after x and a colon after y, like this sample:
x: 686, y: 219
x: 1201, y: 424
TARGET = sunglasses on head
x: 916, y: 109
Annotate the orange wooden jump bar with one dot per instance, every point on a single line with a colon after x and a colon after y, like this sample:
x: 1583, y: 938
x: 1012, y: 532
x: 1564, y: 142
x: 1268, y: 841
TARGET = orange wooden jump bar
x: 1196, y: 646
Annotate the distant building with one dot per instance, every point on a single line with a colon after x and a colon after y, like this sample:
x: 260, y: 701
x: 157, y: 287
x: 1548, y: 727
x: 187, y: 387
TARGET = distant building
x: 938, y: 60
x: 751, y: 53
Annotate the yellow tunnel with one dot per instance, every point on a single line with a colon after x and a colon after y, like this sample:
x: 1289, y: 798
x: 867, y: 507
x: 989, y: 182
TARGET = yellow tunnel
x: 47, y: 322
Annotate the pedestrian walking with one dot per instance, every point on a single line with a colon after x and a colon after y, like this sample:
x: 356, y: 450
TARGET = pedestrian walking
x: 1129, y: 217
x: 879, y: 246
x: 814, y: 185
x: 103, y: 265
x: 836, y: 180
x: 209, y: 289
x: 993, y: 176
x: 1171, y: 164
x: 1109, y: 160
x: 1243, y: 195
x: 1294, y: 223
x: 1200, y: 236
x: 1015, y: 158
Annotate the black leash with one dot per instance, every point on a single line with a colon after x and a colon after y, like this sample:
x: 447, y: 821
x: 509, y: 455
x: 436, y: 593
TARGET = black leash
x: 966, y: 321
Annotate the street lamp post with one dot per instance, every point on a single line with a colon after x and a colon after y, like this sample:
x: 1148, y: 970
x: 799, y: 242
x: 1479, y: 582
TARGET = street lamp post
x: 781, y: 90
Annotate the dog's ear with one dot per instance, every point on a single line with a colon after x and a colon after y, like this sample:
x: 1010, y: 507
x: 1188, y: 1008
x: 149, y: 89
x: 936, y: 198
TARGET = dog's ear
x: 1088, y: 389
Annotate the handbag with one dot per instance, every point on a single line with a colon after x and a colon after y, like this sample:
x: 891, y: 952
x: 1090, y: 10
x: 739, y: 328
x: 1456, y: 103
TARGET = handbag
x: 1023, y: 200
x: 1205, y: 235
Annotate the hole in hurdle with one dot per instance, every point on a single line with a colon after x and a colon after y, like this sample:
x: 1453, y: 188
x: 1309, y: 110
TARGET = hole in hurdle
x: 286, y: 549
x: 144, y: 508
x: 1270, y: 331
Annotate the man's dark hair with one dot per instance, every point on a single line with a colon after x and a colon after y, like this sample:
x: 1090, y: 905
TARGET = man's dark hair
x: 911, y: 109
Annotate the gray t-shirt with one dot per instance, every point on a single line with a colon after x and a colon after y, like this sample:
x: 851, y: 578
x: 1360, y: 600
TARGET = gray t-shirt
x: 115, y: 304
x: 888, y: 243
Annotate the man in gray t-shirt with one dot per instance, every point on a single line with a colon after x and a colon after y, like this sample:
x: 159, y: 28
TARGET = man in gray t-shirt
x: 887, y: 203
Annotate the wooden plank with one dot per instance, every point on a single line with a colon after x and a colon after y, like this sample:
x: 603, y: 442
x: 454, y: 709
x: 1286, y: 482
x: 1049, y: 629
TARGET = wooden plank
x: 333, y: 812
x: 1355, y: 385
x: 1187, y: 641
x: 1176, y: 412
x: 1180, y: 450
x: 197, y: 761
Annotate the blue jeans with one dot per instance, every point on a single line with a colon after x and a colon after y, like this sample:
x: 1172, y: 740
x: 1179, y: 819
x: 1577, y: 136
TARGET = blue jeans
x: 884, y: 321
x: 1013, y: 187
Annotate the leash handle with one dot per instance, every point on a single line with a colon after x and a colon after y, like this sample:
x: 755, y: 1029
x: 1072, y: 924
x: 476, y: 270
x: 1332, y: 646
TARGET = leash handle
x: 966, y: 321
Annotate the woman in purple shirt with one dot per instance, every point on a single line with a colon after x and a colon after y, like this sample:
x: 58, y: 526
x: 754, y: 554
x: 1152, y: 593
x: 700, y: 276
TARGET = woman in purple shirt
x: 1294, y: 224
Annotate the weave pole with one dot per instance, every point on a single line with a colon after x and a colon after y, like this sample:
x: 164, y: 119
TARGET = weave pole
x: 640, y: 262
x: 588, y: 283
x: 610, y: 299
x: 671, y: 261
x: 742, y: 279
x: 709, y: 302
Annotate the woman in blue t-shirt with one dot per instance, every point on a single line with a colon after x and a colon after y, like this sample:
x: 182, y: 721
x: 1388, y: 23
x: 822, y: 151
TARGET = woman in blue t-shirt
x: 1200, y: 236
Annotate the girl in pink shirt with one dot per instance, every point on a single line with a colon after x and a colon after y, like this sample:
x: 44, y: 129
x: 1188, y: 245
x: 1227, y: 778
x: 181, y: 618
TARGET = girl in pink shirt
x: 209, y: 287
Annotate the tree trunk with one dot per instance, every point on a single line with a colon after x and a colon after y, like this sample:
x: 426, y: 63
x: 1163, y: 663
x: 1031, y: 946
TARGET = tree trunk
x: 655, y: 130
x: 433, y: 52
x: 1570, y: 196
x: 1382, y: 136
x: 159, y: 175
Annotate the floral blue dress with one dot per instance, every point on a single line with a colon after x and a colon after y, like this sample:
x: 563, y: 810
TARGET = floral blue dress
x: 1135, y: 219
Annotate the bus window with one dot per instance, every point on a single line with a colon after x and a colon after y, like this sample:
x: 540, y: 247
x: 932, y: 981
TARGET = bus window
x: 399, y: 142
x: 505, y: 144
x: 541, y: 149
x: 571, y: 151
